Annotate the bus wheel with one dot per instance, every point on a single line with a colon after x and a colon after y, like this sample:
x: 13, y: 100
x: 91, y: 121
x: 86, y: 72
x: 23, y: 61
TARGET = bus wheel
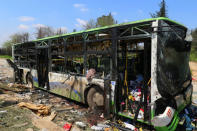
x: 29, y: 81
x: 95, y: 98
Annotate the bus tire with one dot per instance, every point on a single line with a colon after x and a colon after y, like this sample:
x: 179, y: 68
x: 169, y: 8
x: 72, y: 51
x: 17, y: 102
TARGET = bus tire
x: 95, y: 98
x: 29, y: 80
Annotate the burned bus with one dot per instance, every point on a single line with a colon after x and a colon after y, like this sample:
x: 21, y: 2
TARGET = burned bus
x: 136, y: 70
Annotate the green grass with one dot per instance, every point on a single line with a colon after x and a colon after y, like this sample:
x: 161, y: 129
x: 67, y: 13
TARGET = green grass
x: 193, y: 55
x: 6, y: 56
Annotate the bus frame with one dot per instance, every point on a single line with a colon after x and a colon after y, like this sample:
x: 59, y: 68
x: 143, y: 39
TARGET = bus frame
x: 38, y: 60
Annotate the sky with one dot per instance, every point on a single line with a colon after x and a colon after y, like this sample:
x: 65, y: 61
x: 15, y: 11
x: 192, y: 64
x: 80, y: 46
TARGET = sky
x: 26, y: 15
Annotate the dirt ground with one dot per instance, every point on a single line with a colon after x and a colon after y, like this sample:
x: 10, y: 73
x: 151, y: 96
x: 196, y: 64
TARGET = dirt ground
x: 15, y: 118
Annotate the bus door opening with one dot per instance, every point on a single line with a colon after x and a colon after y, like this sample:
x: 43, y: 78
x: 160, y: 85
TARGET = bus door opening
x: 134, y: 70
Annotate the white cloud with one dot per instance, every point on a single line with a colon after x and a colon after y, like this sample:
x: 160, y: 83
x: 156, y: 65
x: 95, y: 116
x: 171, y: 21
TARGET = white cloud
x: 78, y: 5
x: 114, y: 13
x: 80, y: 22
x: 23, y: 27
x: 39, y: 25
x: 26, y: 18
x: 81, y: 7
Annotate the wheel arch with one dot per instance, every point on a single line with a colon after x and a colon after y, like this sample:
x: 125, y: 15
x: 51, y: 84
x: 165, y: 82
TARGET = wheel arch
x: 26, y: 77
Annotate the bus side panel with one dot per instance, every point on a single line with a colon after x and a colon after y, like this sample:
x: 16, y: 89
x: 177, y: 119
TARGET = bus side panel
x: 35, y: 77
x: 72, y: 87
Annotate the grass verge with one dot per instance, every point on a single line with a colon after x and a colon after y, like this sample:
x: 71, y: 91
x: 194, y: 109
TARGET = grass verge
x: 6, y: 56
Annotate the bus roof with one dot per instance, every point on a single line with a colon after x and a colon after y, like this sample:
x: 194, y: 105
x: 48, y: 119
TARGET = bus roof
x: 111, y: 26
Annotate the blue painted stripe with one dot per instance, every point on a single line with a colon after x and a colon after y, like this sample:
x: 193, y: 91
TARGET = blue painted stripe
x: 59, y: 84
x: 35, y: 79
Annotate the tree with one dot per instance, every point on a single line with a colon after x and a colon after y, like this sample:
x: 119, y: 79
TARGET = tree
x: 194, y: 36
x: 7, y: 44
x: 162, y: 12
x: 60, y: 31
x: 74, y: 30
x: 15, y: 38
x: 45, y: 31
x: 19, y: 37
x: 90, y: 24
x: 105, y: 20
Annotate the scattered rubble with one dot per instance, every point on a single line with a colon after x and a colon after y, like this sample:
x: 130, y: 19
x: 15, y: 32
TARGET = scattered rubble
x: 81, y: 125
x: 59, y: 110
x: 38, y: 109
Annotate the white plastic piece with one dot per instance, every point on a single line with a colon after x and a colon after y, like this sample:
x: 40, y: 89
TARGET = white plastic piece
x: 163, y: 119
x: 97, y: 128
x: 127, y: 125
x: 80, y: 124
x: 141, y: 114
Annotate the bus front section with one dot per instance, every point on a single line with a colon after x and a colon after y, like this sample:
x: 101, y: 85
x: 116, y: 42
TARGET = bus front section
x: 171, y: 88
x: 154, y: 79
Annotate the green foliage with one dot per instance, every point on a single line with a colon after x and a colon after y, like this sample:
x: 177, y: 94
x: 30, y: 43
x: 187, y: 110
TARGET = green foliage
x: 162, y: 12
x: 105, y: 20
x: 74, y: 30
x: 193, y: 55
x: 7, y: 44
x: 194, y: 36
x: 16, y: 38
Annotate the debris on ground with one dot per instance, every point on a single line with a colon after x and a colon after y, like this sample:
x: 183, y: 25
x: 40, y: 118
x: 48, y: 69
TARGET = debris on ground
x: 19, y: 125
x: 45, y: 124
x: 51, y: 117
x: 67, y: 126
x: 81, y: 125
x: 38, y: 109
x: 5, y: 103
x: 14, y: 85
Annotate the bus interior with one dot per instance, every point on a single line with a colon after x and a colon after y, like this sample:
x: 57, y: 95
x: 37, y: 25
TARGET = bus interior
x: 134, y: 76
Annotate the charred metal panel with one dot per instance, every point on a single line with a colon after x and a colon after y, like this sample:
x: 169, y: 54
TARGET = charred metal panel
x: 173, y: 73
